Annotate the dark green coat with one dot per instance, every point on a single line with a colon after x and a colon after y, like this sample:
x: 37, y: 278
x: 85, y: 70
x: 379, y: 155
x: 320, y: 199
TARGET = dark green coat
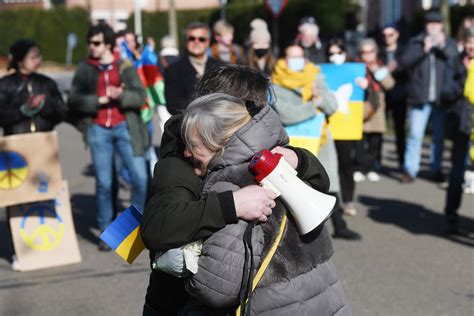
x: 84, y: 102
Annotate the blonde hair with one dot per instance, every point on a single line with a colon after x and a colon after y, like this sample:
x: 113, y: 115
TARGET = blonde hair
x: 215, y: 118
x: 222, y: 27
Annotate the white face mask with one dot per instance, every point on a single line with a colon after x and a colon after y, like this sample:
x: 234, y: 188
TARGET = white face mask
x: 296, y: 63
x: 337, y: 58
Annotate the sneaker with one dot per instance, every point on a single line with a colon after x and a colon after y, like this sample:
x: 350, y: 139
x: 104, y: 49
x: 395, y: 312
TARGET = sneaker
x: 406, y: 178
x: 15, y: 264
x: 358, y: 176
x: 373, y: 176
x: 349, y: 210
x: 347, y: 234
x: 103, y: 246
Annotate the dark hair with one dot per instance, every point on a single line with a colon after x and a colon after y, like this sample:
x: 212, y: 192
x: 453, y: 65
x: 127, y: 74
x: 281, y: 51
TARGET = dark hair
x: 237, y: 81
x: 18, y: 51
x: 104, y: 29
x: 137, y: 44
x: 197, y: 25
x: 339, y: 42
x: 288, y: 45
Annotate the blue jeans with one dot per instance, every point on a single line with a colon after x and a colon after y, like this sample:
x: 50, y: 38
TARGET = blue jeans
x: 104, y: 142
x: 418, y: 117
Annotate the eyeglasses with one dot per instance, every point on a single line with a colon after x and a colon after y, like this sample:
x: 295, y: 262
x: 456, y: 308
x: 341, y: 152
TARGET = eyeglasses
x: 200, y: 39
x: 388, y: 34
x: 95, y: 43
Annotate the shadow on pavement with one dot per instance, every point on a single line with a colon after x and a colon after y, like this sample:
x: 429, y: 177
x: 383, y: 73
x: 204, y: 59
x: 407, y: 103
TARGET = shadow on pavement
x: 415, y: 218
x: 83, y: 210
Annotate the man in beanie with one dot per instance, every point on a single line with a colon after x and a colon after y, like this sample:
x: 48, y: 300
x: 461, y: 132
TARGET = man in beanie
x: 425, y: 60
x: 308, y: 38
x: 224, y: 49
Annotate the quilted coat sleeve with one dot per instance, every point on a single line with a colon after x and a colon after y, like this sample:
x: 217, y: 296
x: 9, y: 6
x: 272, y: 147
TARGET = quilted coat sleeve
x: 221, y: 265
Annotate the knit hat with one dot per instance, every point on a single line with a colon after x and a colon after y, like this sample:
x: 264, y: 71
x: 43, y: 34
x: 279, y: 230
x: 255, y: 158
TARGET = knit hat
x: 259, y: 32
x: 433, y: 16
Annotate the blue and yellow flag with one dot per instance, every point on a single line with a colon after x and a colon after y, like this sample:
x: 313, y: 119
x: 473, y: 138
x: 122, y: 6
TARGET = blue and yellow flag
x: 347, y: 122
x: 307, y: 134
x: 123, y: 235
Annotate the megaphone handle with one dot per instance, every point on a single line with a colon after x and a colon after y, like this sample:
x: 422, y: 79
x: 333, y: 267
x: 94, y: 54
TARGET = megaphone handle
x: 267, y: 184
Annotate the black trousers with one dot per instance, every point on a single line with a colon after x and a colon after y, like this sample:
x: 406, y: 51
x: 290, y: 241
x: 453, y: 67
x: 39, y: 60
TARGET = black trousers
x: 399, y: 116
x: 369, y: 152
x: 337, y: 220
x: 345, y: 155
x: 456, y: 177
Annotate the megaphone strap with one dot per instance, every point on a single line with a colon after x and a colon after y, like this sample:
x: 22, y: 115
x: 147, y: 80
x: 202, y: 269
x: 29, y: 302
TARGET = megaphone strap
x: 268, y: 258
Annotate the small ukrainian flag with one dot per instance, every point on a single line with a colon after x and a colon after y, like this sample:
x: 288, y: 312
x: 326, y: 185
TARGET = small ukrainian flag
x: 123, y: 235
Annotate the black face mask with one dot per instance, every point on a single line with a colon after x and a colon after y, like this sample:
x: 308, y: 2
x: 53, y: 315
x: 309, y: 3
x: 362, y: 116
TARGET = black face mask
x: 260, y: 52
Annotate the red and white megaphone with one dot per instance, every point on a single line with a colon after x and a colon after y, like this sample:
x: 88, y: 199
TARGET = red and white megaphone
x: 309, y: 207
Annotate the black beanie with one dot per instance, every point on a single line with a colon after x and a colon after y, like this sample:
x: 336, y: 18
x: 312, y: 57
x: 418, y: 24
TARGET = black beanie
x: 18, y: 51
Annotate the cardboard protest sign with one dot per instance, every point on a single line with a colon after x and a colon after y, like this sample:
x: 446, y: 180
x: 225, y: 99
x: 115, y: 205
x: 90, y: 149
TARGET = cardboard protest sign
x: 347, y: 122
x: 29, y: 168
x: 307, y: 134
x: 43, y: 233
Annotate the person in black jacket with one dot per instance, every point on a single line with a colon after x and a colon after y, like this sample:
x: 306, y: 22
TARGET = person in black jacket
x: 395, y: 98
x: 458, y: 127
x: 176, y: 213
x: 29, y: 101
x: 425, y: 59
x: 181, y: 76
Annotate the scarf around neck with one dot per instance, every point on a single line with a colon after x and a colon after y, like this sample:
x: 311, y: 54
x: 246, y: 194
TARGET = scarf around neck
x: 296, y: 80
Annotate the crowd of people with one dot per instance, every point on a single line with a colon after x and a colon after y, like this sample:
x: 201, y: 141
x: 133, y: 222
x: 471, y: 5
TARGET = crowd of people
x: 222, y: 103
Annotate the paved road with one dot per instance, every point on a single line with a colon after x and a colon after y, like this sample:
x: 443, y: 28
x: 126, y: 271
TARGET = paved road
x: 403, y: 266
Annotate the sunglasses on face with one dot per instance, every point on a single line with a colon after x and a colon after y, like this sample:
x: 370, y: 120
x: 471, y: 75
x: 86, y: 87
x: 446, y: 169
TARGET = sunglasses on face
x: 95, y: 43
x: 335, y: 53
x: 200, y: 39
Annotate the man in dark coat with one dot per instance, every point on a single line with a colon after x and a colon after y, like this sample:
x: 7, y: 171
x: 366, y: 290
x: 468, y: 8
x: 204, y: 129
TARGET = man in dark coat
x: 395, y: 98
x: 425, y: 59
x: 181, y: 76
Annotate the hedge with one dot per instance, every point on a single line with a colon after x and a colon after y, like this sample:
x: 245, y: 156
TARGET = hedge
x: 47, y: 27
x: 50, y: 27
x: 329, y: 15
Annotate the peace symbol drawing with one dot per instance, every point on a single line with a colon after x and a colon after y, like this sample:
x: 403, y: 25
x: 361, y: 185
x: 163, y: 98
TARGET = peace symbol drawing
x: 48, y: 234
x: 13, y: 170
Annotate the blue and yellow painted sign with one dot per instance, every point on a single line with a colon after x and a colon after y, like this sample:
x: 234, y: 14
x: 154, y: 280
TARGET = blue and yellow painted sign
x: 347, y: 122
x: 13, y: 170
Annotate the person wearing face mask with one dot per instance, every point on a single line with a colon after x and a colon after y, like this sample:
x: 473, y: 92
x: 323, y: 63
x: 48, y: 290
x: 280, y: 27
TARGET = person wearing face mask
x: 260, y: 56
x: 224, y: 49
x: 294, y: 108
x: 377, y: 81
x: 337, y: 54
x: 425, y: 59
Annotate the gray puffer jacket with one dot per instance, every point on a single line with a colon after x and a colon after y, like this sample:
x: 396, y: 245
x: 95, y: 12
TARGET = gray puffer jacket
x: 300, y: 280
